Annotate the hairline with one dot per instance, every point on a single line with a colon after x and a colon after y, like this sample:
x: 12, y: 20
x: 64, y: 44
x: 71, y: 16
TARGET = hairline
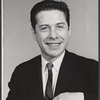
x: 50, y: 10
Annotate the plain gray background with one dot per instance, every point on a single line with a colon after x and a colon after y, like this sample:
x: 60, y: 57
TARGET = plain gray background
x: 18, y: 42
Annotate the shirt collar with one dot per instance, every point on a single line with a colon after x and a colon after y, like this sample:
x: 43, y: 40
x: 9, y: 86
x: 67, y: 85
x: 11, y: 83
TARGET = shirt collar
x: 56, y: 63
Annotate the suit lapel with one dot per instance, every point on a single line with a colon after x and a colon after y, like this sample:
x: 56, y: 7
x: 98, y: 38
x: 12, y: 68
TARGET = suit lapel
x: 36, y: 79
x: 65, y: 74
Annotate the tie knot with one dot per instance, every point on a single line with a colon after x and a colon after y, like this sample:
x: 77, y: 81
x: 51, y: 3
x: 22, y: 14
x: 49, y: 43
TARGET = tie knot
x: 49, y: 66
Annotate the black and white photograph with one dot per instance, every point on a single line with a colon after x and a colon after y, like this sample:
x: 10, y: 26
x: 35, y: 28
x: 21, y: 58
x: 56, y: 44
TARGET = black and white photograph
x: 50, y: 50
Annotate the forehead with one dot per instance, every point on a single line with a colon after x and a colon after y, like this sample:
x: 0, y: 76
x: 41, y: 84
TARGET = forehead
x: 50, y: 16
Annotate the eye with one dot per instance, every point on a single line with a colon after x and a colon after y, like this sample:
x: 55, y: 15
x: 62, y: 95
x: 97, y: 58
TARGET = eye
x: 44, y: 28
x: 60, y: 27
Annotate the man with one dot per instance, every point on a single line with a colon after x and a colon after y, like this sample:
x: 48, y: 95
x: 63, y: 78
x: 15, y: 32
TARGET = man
x: 56, y: 74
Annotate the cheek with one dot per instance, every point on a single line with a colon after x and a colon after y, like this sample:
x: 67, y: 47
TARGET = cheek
x: 41, y: 38
x: 64, y: 35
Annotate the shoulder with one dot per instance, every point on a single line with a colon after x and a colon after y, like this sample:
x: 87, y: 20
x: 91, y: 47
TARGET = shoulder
x: 27, y: 65
x: 24, y: 71
x: 78, y: 60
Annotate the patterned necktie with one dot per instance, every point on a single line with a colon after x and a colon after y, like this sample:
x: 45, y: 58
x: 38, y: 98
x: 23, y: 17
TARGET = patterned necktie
x: 49, y: 91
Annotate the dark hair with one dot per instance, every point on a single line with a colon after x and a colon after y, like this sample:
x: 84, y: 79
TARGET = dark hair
x: 49, y: 5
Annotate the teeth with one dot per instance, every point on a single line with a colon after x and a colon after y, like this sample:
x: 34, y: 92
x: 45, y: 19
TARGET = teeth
x: 53, y: 45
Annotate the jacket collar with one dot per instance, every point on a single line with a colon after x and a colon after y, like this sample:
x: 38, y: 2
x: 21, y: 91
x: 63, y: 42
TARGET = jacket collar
x: 64, y: 77
x: 36, y: 79
x: 65, y: 74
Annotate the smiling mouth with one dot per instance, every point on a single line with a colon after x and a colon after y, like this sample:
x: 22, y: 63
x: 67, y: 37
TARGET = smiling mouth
x: 53, y: 44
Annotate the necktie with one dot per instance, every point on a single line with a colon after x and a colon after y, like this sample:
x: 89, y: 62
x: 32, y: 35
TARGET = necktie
x: 48, y: 91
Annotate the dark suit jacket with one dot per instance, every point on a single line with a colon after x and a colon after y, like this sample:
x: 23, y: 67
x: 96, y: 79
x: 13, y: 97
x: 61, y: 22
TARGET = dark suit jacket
x: 77, y: 74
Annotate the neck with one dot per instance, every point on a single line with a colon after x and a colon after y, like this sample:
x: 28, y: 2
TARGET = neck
x: 52, y: 59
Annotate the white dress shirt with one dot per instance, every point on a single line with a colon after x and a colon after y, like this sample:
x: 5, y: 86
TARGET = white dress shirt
x: 55, y: 72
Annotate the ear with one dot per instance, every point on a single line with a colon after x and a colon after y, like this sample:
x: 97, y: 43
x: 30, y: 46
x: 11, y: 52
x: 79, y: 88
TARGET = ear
x: 34, y: 33
x: 69, y: 30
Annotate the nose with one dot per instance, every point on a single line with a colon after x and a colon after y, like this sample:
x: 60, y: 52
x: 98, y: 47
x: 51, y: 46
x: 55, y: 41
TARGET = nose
x: 53, y: 34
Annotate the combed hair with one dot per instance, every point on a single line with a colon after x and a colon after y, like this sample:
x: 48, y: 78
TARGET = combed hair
x: 47, y: 5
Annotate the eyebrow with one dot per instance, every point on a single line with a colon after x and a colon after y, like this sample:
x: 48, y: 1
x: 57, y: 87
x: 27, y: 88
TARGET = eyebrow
x: 43, y: 25
x: 48, y: 25
x: 61, y: 23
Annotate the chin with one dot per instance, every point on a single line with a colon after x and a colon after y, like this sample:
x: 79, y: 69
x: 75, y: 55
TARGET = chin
x: 55, y: 54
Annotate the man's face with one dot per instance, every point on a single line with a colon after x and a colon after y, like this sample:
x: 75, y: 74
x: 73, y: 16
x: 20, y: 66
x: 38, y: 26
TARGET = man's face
x: 51, y: 33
